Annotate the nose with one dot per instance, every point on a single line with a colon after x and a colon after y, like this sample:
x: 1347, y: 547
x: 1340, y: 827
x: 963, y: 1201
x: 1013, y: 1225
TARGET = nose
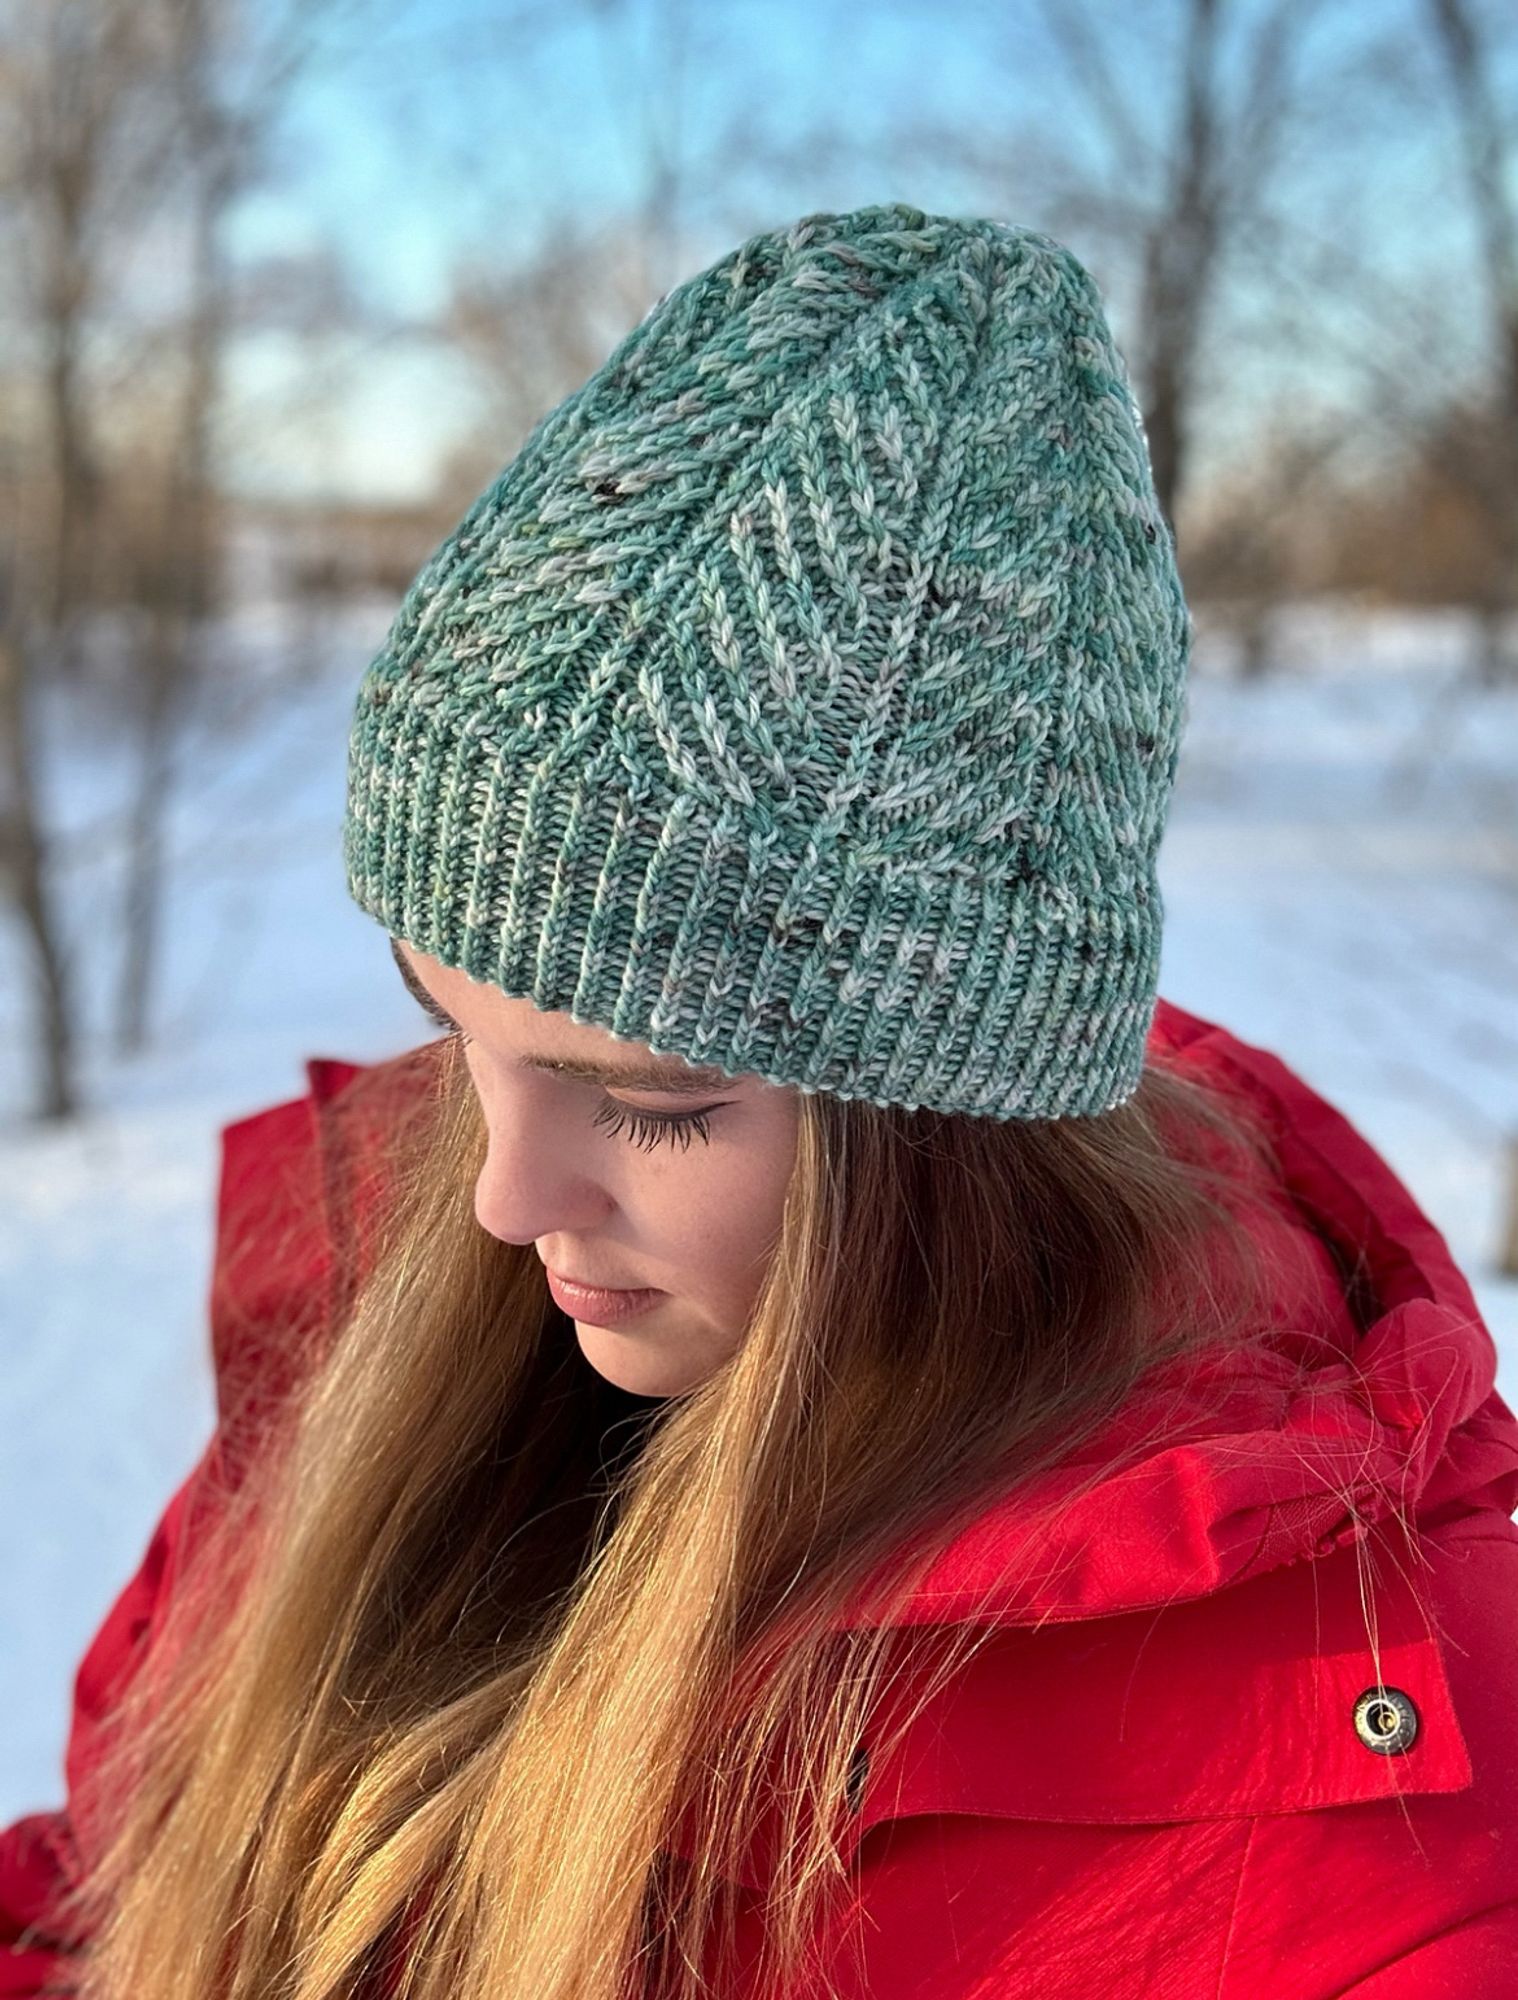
x: 526, y: 1193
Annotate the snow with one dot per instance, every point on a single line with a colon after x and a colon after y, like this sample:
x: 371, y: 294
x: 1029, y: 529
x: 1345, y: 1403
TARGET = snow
x: 1340, y: 874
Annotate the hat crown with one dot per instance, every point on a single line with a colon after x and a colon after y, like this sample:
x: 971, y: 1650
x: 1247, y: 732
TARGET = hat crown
x: 849, y: 557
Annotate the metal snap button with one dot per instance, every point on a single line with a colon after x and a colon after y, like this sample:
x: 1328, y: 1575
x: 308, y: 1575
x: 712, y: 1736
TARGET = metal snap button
x: 1386, y: 1720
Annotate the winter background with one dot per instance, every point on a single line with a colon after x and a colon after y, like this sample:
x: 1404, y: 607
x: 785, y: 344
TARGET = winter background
x: 1340, y: 868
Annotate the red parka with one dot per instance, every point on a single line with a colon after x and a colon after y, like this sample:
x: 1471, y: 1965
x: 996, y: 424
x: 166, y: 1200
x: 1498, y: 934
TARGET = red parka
x: 1236, y: 1737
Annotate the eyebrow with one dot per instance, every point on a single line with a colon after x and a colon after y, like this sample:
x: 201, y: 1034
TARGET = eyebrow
x: 631, y: 1074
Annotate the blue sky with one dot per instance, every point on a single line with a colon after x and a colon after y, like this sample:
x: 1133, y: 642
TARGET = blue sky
x: 425, y: 132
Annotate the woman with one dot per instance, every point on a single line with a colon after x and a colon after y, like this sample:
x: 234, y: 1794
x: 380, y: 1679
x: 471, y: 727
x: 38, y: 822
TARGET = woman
x: 1037, y: 1519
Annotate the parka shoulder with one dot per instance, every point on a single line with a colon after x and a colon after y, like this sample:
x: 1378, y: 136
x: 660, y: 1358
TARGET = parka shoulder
x: 301, y: 1184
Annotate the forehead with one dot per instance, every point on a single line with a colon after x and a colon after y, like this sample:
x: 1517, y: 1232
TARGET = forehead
x: 542, y: 1040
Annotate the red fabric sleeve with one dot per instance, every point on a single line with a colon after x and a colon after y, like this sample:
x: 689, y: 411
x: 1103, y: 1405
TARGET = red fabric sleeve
x: 269, y: 1280
x: 39, y: 1855
x: 298, y: 1183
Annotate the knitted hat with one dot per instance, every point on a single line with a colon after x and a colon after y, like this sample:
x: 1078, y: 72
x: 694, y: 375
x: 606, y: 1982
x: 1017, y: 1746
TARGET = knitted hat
x: 804, y: 697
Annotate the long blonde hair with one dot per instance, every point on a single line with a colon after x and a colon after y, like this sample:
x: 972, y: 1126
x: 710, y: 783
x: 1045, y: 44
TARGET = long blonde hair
x: 460, y: 1647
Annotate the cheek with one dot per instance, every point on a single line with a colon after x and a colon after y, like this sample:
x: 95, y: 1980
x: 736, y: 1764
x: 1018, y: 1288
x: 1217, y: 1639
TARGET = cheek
x: 729, y: 1216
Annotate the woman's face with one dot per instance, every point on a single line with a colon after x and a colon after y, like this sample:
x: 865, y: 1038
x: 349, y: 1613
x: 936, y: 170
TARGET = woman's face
x: 583, y: 1166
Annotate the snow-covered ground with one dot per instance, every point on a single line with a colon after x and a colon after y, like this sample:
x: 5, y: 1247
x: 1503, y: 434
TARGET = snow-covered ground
x: 1341, y: 883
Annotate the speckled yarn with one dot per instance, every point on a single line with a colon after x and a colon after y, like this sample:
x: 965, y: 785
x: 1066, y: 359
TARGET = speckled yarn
x: 804, y: 697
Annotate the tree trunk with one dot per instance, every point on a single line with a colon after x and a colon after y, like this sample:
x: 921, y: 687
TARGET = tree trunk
x: 26, y: 869
x: 142, y: 894
x: 180, y: 582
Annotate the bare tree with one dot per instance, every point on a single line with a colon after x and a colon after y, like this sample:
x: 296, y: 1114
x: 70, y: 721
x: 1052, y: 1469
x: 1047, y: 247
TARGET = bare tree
x: 70, y: 80
x: 129, y: 123
x: 1165, y: 207
x: 1486, y: 139
x: 1254, y: 542
x: 223, y: 92
x: 534, y: 332
x: 535, y: 326
x: 173, y: 584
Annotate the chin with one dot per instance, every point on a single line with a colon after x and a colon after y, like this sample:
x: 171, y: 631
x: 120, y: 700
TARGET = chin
x: 638, y: 1367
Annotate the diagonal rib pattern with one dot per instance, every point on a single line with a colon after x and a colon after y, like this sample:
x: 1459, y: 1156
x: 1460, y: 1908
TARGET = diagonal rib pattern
x: 805, y: 696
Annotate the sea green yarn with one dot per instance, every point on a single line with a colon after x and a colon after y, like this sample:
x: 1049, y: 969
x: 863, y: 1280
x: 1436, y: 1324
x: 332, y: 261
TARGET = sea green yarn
x: 804, y: 698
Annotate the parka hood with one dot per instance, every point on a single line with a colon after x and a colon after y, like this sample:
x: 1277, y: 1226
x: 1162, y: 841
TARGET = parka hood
x: 1373, y: 1396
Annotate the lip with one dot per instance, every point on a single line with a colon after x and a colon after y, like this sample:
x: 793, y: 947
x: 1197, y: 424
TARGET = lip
x: 598, y: 1305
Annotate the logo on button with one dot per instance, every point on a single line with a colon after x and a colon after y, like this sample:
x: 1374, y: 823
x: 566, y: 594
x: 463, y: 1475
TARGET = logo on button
x: 1385, y: 1720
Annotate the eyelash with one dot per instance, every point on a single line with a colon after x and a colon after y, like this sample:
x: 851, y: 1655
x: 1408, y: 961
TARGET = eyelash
x: 649, y: 1128
x: 645, y: 1129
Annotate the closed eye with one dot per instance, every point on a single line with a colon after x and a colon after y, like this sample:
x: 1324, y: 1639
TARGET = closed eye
x: 652, y: 1128
x: 645, y: 1129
